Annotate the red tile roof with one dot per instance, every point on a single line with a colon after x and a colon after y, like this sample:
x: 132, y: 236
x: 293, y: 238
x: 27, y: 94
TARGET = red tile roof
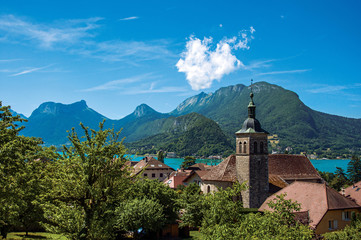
x: 353, y: 192
x: 225, y: 171
x: 200, y: 166
x: 177, y: 177
x: 151, y: 164
x: 316, y: 198
x: 292, y: 167
x: 199, y: 173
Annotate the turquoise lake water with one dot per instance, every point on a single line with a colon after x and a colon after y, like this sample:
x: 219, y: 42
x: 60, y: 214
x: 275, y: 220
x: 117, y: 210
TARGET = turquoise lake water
x: 322, y: 165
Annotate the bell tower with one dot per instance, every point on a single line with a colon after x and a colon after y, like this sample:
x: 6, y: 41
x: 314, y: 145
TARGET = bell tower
x: 252, y: 159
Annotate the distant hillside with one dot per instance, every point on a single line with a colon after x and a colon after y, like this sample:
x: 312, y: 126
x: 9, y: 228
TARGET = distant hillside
x: 185, y: 135
x: 139, y: 124
x: 280, y: 112
x: 50, y: 121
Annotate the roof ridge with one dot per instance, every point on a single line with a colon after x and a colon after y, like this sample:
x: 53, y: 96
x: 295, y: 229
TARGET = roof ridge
x: 326, y: 192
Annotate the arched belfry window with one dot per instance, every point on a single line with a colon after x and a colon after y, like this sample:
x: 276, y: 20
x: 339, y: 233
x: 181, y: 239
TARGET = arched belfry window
x: 261, y: 147
x: 255, y: 147
x: 245, y: 147
x: 240, y: 147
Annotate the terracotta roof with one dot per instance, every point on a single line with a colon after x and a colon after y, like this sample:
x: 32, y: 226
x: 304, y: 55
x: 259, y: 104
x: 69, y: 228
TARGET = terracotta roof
x: 353, y: 192
x: 316, y: 198
x: 199, y: 173
x: 225, y: 171
x: 150, y: 163
x: 200, y: 166
x: 292, y: 167
x: 177, y: 177
x: 277, y: 181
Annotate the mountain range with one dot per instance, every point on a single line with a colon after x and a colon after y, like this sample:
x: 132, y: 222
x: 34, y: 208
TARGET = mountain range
x: 280, y: 112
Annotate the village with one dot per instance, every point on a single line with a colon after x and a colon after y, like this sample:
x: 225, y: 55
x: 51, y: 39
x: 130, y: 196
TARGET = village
x: 323, y: 209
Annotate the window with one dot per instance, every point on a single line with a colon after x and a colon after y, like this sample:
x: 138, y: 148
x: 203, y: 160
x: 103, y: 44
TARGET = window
x: 332, y: 224
x: 261, y: 147
x: 169, y: 182
x: 145, y: 174
x: 244, y: 147
x: 152, y: 165
x: 153, y: 174
x: 160, y: 165
x: 161, y: 175
x: 346, y: 216
x: 208, y: 189
x: 255, y: 147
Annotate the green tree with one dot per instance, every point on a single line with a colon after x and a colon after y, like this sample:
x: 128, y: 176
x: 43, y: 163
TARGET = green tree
x: 140, y: 216
x: 160, y: 156
x: 85, y: 185
x: 223, y: 211
x: 192, y: 202
x: 158, y: 192
x: 354, y: 169
x: 187, y: 162
x: 19, y: 173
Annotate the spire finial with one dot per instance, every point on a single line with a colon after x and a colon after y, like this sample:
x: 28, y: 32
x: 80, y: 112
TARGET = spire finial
x: 251, y: 94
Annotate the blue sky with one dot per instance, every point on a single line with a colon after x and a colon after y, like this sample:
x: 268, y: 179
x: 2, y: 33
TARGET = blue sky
x: 117, y: 55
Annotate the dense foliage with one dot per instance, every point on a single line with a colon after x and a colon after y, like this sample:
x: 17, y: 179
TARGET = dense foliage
x: 193, y: 135
x: 21, y: 160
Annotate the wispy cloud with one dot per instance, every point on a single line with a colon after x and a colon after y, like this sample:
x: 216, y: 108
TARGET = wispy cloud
x: 9, y: 60
x: 259, y: 64
x: 29, y: 71
x: 78, y: 37
x: 48, y: 36
x: 119, y: 83
x: 167, y: 89
x: 114, y: 51
x: 129, y: 18
x: 334, y: 89
x: 283, y: 72
x: 202, y: 65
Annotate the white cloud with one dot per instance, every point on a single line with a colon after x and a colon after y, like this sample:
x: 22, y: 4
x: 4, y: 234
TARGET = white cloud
x: 47, y: 36
x: 118, y: 84
x: 129, y: 18
x: 220, y: 25
x: 202, y: 65
x: 29, y: 71
x: 284, y: 72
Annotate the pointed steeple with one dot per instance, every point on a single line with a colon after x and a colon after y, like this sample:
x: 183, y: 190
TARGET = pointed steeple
x: 251, y: 124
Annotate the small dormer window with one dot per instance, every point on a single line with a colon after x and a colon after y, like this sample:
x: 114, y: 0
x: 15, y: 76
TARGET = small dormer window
x: 160, y: 165
x: 152, y: 165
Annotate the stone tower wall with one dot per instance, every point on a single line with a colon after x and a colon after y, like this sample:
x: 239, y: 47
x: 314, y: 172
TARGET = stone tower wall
x: 252, y: 167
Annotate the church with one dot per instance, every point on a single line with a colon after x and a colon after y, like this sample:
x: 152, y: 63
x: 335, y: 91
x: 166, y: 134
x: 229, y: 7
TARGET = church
x: 265, y: 174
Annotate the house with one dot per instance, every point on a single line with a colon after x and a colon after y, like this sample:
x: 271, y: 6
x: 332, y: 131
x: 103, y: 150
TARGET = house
x: 327, y: 209
x: 176, y: 178
x: 353, y: 192
x: 221, y: 176
x: 151, y: 168
x: 195, y: 177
